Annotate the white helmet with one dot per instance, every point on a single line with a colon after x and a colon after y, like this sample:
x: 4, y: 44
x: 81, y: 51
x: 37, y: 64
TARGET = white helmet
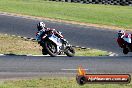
x: 41, y: 25
x: 121, y: 33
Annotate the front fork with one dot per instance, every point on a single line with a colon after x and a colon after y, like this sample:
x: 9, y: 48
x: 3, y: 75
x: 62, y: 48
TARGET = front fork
x: 64, y: 46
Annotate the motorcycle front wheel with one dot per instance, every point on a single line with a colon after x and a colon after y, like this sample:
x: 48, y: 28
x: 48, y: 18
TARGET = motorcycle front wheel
x: 44, y: 51
x: 51, y: 48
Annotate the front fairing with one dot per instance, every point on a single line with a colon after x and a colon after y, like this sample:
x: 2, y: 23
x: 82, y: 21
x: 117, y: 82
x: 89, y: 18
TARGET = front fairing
x: 55, y: 39
x: 127, y: 38
x: 120, y: 42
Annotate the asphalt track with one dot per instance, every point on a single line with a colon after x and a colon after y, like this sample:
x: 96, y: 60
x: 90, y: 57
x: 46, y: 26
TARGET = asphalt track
x: 12, y: 66
x: 77, y: 35
x: 27, y: 66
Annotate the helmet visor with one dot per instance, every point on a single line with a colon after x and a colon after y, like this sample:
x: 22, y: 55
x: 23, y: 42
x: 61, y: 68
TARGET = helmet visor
x: 120, y: 35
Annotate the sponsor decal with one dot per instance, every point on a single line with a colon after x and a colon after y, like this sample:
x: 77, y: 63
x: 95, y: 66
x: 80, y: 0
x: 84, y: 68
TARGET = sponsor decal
x: 83, y: 78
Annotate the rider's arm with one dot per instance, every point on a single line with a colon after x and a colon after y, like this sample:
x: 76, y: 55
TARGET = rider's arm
x: 49, y: 30
x: 39, y: 35
x: 58, y: 33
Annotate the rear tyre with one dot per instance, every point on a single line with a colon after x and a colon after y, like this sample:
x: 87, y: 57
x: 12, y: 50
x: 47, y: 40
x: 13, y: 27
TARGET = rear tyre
x: 70, y: 51
x: 51, y: 48
x: 125, y: 51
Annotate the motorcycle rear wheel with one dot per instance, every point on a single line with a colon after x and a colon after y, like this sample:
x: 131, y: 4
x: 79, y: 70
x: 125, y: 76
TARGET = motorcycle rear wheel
x: 70, y: 51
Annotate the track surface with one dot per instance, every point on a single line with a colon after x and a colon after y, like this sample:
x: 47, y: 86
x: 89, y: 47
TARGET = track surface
x: 77, y: 35
x: 12, y: 66
x: 31, y: 66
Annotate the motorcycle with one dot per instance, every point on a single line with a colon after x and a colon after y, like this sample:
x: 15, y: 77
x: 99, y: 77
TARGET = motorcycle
x: 54, y: 46
x: 125, y: 43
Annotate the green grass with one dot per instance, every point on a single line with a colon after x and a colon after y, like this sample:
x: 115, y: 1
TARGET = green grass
x: 19, y: 46
x: 56, y: 83
x: 120, y: 16
x: 90, y: 52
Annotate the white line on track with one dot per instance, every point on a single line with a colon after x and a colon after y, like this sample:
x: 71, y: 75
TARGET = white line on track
x: 73, y: 69
x: 2, y: 55
x: 43, y: 55
x: 30, y: 55
x: 33, y: 73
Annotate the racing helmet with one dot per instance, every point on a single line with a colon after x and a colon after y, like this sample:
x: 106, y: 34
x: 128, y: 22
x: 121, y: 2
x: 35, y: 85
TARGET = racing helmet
x: 40, y: 25
x: 121, y: 33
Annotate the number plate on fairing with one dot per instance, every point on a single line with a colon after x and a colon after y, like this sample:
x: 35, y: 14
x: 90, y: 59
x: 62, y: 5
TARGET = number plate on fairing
x: 56, y: 40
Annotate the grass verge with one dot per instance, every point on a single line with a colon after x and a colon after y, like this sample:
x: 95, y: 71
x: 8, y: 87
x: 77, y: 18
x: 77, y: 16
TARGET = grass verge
x: 15, y: 45
x: 56, y: 83
x: 119, y: 16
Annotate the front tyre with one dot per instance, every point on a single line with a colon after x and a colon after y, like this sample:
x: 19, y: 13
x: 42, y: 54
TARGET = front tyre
x: 44, y: 51
x: 51, y: 48
x: 70, y: 51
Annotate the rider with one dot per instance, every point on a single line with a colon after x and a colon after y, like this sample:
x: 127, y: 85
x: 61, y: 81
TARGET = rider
x: 127, y: 37
x: 121, y: 34
x: 42, y: 30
